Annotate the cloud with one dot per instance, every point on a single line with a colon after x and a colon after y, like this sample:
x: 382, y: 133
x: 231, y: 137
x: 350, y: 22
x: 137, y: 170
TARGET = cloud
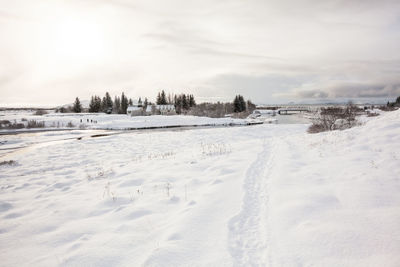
x: 269, y: 51
x: 333, y: 89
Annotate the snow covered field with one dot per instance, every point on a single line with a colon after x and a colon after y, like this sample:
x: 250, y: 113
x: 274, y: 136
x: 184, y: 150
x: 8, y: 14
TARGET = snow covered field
x: 114, y: 121
x: 266, y: 195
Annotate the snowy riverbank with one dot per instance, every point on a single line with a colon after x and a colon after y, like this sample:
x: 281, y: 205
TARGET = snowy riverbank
x: 99, y: 121
x: 267, y: 195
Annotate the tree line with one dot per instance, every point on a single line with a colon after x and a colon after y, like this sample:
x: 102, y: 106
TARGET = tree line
x: 394, y: 104
x: 119, y: 105
x: 183, y: 103
x: 238, y: 108
x: 98, y: 104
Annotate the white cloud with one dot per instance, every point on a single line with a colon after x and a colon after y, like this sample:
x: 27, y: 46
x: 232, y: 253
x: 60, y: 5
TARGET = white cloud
x: 266, y: 50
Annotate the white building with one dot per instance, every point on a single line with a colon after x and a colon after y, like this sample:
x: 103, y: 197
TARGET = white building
x: 135, y: 110
x: 160, y: 110
x: 166, y: 109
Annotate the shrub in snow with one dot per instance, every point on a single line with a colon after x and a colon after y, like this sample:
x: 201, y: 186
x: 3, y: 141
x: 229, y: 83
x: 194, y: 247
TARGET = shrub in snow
x: 35, y: 124
x: 6, y: 124
x: 215, y: 149
x: 70, y: 125
x: 40, y: 112
x: 316, y: 128
x: 334, y: 118
x: 8, y: 162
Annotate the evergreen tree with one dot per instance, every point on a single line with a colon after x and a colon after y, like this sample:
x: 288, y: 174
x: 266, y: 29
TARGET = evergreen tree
x: 117, y: 105
x: 236, y: 104
x: 77, y: 108
x: 107, y: 102
x: 124, y: 103
x: 98, y: 103
x: 178, y: 104
x: 242, y: 103
x: 92, y: 105
x: 95, y: 104
x: 192, y: 103
x: 130, y: 103
x: 185, y: 103
x: 158, y: 100
x: 145, y: 103
x: 239, y: 105
x: 163, y: 100
x: 103, y: 106
x: 140, y: 104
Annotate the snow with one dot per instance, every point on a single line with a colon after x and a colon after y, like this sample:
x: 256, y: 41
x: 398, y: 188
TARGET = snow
x: 265, y: 195
x: 115, y: 121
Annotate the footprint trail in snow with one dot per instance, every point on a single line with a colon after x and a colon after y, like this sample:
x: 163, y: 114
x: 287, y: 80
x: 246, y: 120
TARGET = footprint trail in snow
x: 248, y: 235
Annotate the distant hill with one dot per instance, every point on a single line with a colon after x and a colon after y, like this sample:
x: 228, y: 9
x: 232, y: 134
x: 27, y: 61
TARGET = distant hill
x: 84, y: 103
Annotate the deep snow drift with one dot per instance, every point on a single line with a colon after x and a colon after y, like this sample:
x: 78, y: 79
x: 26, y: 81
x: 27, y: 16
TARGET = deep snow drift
x: 266, y: 195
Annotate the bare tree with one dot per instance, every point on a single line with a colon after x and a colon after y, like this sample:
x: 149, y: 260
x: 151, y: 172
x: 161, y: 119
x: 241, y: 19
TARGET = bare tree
x: 334, y: 118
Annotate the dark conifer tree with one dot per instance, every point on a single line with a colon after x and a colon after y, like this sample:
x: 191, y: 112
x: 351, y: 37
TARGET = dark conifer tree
x: 124, y: 103
x: 192, y: 103
x: 117, y: 105
x: 178, y: 104
x: 242, y: 103
x: 108, y: 103
x: 77, y: 108
x: 95, y: 104
x: 103, y: 104
x: 92, y: 104
x: 185, y: 104
x: 236, y: 104
x: 158, y: 100
x: 163, y: 100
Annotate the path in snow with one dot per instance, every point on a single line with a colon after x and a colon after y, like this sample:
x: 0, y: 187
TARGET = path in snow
x: 247, y: 230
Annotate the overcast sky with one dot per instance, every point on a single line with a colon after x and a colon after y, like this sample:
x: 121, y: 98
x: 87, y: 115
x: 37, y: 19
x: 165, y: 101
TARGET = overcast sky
x: 270, y: 51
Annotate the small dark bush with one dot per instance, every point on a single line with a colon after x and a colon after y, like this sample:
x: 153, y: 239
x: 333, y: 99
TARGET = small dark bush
x: 388, y: 108
x: 35, y: 124
x: 372, y: 114
x: 8, y: 162
x: 70, y: 124
x: 4, y: 122
x: 64, y: 109
x: 17, y: 126
x: 40, y: 112
x: 316, y: 128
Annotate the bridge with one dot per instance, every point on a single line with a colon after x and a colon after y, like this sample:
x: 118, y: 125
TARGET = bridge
x: 292, y: 110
